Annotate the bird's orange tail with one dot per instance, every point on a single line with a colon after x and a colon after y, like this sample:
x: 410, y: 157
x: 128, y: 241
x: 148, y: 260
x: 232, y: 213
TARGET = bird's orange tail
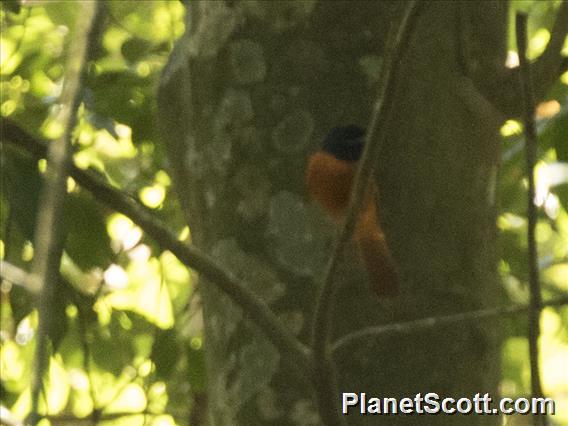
x: 379, y: 264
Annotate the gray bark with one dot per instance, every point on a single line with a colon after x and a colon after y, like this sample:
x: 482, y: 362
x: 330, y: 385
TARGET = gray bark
x: 250, y: 90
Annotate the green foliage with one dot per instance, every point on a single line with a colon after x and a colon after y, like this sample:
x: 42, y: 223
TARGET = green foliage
x: 110, y: 351
x: 552, y: 228
x: 127, y: 98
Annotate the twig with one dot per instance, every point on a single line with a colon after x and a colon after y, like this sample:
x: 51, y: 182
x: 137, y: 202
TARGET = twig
x: 48, y: 241
x: 424, y: 324
x: 258, y: 311
x: 531, y: 146
x: 14, y: 275
x: 324, y: 370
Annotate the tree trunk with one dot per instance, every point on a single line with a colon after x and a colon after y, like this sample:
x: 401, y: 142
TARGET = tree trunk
x: 250, y: 90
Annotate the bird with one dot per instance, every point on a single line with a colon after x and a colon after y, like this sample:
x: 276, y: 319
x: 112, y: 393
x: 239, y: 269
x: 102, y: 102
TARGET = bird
x: 329, y: 178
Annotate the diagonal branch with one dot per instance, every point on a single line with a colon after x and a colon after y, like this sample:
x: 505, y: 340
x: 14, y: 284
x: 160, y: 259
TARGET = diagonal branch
x: 432, y: 323
x: 48, y: 244
x: 324, y: 370
x: 527, y: 93
x: 289, y: 347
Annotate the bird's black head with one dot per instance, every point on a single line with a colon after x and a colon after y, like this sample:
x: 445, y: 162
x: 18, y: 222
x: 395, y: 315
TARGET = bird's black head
x: 345, y: 143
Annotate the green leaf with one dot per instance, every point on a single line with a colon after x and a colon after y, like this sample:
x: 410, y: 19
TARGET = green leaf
x: 511, y: 190
x: 561, y: 192
x: 513, y: 245
x: 127, y: 336
x: 127, y: 98
x: 87, y: 243
x: 112, y: 348
x: 12, y: 5
x: 71, y: 348
x: 58, y: 324
x: 196, y: 369
x: 135, y: 49
x: 21, y: 303
x: 63, y: 14
x: 21, y: 185
x: 555, y: 134
x: 165, y: 353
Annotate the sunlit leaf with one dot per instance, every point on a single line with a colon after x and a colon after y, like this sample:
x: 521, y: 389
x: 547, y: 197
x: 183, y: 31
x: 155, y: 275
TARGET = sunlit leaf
x: 146, y: 294
x: 57, y: 389
x: 131, y: 399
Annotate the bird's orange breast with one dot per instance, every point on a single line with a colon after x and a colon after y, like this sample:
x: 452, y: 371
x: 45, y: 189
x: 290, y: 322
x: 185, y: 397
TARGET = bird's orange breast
x: 329, y: 182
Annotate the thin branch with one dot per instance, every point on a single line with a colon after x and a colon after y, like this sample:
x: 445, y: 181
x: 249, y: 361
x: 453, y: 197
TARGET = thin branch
x: 324, y: 370
x: 14, y: 275
x: 431, y: 323
x: 257, y: 310
x: 48, y: 240
x: 535, y: 304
